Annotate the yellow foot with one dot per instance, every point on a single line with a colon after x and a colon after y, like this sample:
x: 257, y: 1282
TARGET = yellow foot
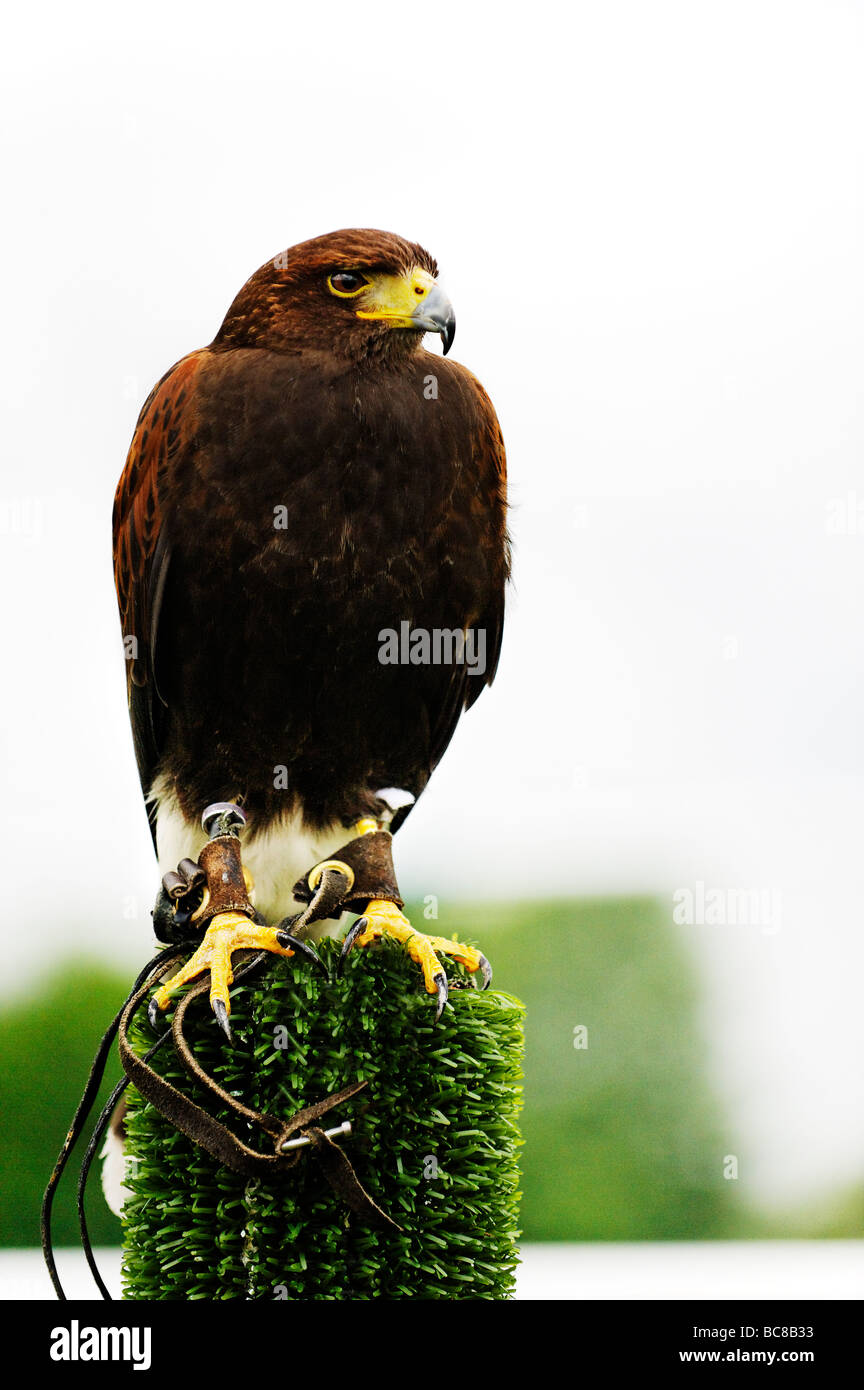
x: 228, y: 932
x: 384, y: 919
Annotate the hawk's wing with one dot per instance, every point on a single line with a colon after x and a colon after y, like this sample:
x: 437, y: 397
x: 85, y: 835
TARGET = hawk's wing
x: 490, y: 465
x: 142, y: 555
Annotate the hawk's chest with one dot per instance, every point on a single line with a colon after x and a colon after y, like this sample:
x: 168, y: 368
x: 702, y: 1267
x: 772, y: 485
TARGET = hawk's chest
x: 350, y: 491
x: 346, y: 479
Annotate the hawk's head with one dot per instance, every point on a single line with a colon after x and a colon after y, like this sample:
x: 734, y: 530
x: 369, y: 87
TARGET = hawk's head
x: 355, y: 293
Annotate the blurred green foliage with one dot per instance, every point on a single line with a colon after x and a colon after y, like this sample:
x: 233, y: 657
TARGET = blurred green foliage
x: 624, y: 1138
x: 46, y: 1045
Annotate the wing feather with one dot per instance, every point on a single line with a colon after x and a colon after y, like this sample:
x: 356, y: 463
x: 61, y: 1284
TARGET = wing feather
x: 490, y: 468
x: 142, y: 552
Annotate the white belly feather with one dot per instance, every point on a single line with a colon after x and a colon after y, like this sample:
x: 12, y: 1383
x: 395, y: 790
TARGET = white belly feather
x: 276, y: 859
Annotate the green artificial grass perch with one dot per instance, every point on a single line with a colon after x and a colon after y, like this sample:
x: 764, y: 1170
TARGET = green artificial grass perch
x: 434, y: 1141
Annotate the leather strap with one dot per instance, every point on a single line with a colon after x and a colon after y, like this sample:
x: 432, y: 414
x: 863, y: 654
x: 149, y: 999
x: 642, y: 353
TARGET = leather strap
x: 370, y: 859
x: 222, y: 864
x: 150, y: 973
x: 219, y: 1141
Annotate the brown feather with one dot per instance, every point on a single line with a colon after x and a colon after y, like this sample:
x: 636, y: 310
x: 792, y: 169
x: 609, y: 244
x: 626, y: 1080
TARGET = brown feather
x: 268, y: 637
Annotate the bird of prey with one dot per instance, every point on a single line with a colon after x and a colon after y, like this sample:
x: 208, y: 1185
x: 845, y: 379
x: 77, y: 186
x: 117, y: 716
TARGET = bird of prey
x: 310, y: 484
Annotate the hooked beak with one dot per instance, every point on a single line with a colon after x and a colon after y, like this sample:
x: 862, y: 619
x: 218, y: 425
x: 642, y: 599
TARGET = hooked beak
x: 413, y: 300
x: 435, y: 315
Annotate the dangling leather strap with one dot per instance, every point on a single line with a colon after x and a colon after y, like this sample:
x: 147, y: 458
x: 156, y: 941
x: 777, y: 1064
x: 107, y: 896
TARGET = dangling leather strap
x: 219, y: 1141
x: 151, y: 972
x: 372, y: 875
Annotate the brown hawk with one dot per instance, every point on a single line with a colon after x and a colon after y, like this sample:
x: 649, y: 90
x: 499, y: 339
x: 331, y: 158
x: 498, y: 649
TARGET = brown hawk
x: 308, y: 505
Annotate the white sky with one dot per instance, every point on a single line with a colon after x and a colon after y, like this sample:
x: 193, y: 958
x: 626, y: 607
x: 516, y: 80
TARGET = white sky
x: 649, y: 218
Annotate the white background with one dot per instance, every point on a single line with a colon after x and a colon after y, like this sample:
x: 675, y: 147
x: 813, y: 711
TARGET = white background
x: 605, y: 1270
x: 649, y: 218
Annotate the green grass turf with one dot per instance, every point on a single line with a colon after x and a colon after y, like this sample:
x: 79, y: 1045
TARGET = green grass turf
x: 434, y: 1141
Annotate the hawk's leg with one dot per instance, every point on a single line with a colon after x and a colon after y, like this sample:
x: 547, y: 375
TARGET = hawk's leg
x: 383, y: 918
x: 219, y: 886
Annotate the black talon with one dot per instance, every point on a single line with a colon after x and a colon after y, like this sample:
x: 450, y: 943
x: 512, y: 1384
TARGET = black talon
x: 178, y: 898
x: 440, y: 980
x: 485, y: 971
x: 286, y: 939
x: 350, y: 937
x: 221, y: 1013
x: 153, y: 1012
x: 164, y: 917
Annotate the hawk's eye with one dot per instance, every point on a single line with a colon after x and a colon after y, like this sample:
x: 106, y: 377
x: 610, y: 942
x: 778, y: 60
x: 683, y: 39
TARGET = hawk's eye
x: 347, y: 282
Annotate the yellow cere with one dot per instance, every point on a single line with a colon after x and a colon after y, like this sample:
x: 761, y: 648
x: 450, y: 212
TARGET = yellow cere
x: 396, y: 297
